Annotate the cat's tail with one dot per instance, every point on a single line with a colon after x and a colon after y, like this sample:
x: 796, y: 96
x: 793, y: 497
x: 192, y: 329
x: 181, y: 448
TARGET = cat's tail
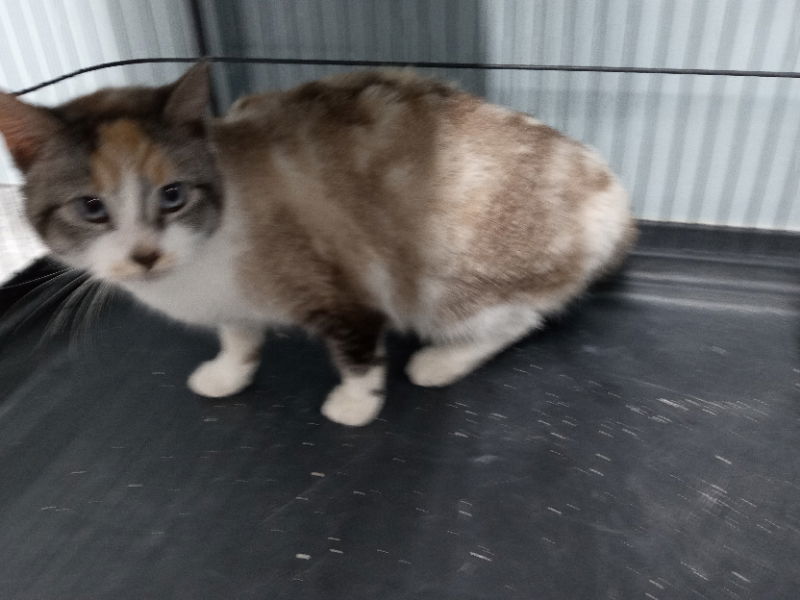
x: 609, y: 230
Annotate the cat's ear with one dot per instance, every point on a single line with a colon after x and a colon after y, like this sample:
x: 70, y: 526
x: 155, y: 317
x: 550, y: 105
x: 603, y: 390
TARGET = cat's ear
x: 26, y: 128
x: 190, y: 96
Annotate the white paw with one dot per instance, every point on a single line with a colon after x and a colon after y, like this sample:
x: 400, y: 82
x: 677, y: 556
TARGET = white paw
x: 352, y: 405
x: 437, y: 366
x: 220, y: 377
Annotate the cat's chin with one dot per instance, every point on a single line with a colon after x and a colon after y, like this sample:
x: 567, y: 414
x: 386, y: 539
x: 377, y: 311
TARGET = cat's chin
x: 139, y: 278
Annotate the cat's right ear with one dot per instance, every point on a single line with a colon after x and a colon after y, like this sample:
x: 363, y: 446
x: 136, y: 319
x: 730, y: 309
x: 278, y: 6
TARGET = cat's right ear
x: 26, y: 128
x: 190, y: 96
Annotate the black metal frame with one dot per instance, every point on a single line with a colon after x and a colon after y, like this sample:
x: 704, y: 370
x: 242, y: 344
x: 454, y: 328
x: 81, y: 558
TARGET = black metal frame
x: 417, y: 64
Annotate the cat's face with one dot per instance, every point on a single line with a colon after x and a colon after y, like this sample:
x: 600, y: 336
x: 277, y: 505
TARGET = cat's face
x: 120, y: 183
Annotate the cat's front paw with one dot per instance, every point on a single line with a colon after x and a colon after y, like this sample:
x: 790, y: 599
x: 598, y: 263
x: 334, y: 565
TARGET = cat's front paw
x: 352, y: 405
x: 217, y: 378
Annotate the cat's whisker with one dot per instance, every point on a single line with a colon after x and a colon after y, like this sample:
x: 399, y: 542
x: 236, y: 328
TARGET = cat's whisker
x: 81, y: 303
x: 62, y: 310
x: 99, y: 301
x: 78, y: 318
x: 34, y: 280
x: 91, y: 307
x: 20, y: 317
x: 64, y: 296
x: 42, y: 283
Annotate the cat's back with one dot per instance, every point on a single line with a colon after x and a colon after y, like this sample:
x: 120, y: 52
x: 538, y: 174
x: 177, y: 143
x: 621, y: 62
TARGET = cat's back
x: 399, y: 133
x: 391, y: 140
x: 353, y: 124
x: 415, y: 180
x: 340, y: 101
x: 355, y: 158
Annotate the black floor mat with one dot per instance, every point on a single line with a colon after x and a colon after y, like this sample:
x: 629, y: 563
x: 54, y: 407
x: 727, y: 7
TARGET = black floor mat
x: 642, y: 446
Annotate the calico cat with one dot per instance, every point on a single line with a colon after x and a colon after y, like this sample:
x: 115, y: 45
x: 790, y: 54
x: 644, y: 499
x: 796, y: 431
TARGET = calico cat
x: 347, y: 206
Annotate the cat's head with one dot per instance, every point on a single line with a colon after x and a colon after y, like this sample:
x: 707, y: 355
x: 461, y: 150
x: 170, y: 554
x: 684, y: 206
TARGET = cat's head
x: 121, y: 182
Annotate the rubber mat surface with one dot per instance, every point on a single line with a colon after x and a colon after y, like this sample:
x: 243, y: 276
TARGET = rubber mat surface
x: 642, y: 446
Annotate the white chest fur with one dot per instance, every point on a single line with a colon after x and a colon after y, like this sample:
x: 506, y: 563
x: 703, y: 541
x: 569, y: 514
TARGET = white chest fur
x: 202, y: 292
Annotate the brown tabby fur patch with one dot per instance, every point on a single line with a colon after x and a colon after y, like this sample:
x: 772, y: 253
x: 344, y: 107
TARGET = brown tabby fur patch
x: 123, y: 145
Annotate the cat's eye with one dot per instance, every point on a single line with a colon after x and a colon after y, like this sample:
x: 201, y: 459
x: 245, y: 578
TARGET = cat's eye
x: 173, y: 197
x: 92, y: 209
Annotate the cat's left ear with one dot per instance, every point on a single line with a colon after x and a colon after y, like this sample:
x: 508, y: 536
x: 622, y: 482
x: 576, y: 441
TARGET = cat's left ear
x: 26, y: 128
x: 190, y: 96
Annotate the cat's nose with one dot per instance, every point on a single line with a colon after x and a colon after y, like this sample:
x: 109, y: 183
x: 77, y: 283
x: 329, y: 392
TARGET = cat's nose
x: 146, y: 257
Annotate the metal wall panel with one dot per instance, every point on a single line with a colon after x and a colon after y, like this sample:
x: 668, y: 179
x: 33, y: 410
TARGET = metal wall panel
x: 702, y: 149
x: 705, y: 149
x: 41, y: 39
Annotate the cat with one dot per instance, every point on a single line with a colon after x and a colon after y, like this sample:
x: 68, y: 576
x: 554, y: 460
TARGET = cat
x: 349, y: 205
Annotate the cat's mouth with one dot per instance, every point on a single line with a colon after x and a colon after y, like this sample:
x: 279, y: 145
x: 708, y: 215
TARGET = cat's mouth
x: 131, y: 272
x: 154, y: 275
x: 144, y: 277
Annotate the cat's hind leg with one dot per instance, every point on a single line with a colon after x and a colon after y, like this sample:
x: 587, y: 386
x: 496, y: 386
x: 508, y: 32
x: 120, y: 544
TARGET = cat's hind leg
x: 358, y: 399
x: 233, y: 368
x: 354, y: 337
x: 464, y: 346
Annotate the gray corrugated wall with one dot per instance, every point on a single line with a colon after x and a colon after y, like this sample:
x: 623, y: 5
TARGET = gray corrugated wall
x: 718, y: 150
x: 41, y: 39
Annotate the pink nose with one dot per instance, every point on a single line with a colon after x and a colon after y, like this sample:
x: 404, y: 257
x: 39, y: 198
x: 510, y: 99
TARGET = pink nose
x: 146, y: 257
